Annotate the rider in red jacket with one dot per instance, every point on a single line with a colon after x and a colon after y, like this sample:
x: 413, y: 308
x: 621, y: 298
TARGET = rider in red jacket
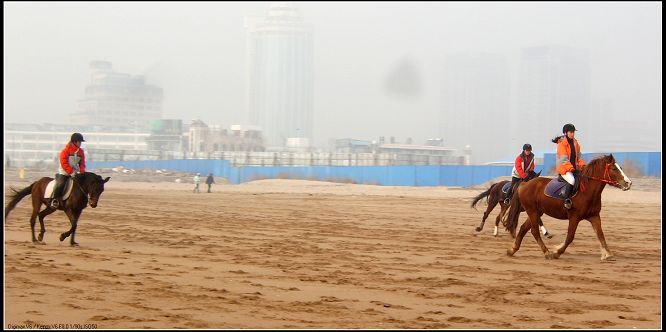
x: 522, y: 167
x: 72, y: 161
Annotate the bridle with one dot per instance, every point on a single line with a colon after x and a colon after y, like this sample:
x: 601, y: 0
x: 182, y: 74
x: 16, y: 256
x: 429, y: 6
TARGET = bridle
x: 607, y: 177
x: 82, y: 190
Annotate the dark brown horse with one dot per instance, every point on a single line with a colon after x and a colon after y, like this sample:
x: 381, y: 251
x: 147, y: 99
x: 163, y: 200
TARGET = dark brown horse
x: 586, y: 205
x: 87, y: 189
x: 496, y: 196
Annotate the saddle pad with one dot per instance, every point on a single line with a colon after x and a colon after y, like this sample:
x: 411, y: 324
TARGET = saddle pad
x: 555, y: 189
x: 68, y: 188
x: 505, y: 187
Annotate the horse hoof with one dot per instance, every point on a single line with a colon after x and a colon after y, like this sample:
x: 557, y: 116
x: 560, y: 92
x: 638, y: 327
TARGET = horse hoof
x: 478, y: 229
x: 548, y: 235
x: 607, y: 258
x: 62, y: 237
x: 74, y: 244
x: 549, y: 255
x: 39, y: 242
x: 510, y: 252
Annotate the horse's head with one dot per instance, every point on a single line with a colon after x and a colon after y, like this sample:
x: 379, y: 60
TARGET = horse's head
x: 617, y: 174
x: 94, y: 185
x: 607, y: 170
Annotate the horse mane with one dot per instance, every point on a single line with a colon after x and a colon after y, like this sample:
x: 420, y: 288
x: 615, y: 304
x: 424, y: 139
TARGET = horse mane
x: 596, y: 166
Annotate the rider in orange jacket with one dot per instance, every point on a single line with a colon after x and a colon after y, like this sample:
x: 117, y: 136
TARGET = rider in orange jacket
x: 569, y: 159
x: 72, y: 161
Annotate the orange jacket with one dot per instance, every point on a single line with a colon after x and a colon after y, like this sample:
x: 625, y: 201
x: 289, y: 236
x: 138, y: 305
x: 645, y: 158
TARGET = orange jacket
x: 72, y: 150
x: 563, y: 163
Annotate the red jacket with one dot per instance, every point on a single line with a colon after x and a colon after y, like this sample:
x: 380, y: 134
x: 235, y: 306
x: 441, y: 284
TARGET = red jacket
x: 72, y: 150
x: 519, y: 166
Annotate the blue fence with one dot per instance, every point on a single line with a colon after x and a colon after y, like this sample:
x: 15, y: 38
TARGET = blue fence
x: 448, y: 175
x: 648, y: 163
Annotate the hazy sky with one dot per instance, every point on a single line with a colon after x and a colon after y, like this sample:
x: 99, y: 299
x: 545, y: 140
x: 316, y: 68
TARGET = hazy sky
x: 195, y: 52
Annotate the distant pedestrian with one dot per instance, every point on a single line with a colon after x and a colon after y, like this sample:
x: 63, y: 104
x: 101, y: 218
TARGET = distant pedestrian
x: 197, y: 180
x: 210, y: 180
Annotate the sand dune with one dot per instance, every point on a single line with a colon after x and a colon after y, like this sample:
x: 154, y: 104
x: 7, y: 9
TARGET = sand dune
x: 304, y: 254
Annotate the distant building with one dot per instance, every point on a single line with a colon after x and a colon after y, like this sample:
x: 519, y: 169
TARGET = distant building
x: 280, y: 69
x: 350, y: 145
x: 554, y: 90
x: 34, y: 145
x: 206, y: 139
x: 166, y: 135
x: 476, y: 103
x: 117, y: 100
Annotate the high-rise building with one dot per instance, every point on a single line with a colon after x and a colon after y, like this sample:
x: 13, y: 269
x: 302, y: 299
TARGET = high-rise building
x: 280, y: 74
x: 476, y: 104
x: 554, y: 90
x: 118, y: 100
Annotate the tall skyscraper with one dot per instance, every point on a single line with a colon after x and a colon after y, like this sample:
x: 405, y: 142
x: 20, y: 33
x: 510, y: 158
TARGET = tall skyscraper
x: 118, y: 100
x: 476, y: 104
x: 554, y: 90
x: 280, y: 74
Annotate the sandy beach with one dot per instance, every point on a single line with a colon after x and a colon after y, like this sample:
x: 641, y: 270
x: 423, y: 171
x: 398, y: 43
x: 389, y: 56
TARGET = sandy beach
x: 306, y: 254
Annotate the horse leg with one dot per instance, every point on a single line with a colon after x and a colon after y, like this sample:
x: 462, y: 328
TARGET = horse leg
x: 537, y: 235
x: 491, y: 206
x: 543, y: 229
x: 499, y: 217
x: 519, y: 238
x: 33, y: 220
x: 571, y: 231
x: 596, y: 224
x: 73, y: 219
x: 43, y: 215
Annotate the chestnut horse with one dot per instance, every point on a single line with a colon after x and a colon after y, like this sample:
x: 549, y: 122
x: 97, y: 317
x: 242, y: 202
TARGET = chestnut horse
x: 495, y: 196
x: 85, y: 185
x: 586, y: 205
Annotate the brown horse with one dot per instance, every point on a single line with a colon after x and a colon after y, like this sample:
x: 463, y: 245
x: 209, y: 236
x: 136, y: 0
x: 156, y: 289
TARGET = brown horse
x: 586, y: 205
x: 495, y: 196
x: 85, y: 185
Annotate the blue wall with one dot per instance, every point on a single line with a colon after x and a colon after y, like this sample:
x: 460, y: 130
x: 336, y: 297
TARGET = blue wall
x: 378, y: 175
x: 649, y: 163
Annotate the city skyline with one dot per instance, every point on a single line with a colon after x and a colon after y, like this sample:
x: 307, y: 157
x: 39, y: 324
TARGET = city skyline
x: 359, y: 50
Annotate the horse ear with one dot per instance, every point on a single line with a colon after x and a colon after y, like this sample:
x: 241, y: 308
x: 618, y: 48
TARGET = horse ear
x: 107, y: 179
x: 611, y: 157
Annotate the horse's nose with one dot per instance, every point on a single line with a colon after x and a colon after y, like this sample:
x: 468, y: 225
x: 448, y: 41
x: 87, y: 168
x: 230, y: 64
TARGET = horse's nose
x: 628, y: 186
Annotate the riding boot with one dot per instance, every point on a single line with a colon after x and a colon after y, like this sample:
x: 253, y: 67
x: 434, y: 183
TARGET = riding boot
x: 507, y: 200
x: 567, y: 194
x: 57, y: 191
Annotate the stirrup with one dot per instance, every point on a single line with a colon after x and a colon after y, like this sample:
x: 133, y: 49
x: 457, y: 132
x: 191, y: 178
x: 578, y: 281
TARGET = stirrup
x: 507, y: 200
x: 54, y: 203
x: 567, y: 203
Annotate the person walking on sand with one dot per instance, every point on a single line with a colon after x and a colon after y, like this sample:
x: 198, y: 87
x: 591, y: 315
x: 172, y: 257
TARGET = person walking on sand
x: 210, y: 180
x: 197, y: 180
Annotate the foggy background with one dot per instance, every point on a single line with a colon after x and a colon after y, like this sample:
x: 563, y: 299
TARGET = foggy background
x: 380, y: 69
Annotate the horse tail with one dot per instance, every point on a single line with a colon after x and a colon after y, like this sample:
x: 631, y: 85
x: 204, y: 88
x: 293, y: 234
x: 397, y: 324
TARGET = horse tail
x: 514, y: 212
x: 16, y: 197
x: 480, y: 196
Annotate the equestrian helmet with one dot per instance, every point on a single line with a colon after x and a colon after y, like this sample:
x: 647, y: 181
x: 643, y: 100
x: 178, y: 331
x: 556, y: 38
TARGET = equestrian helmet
x: 568, y: 127
x: 77, y: 137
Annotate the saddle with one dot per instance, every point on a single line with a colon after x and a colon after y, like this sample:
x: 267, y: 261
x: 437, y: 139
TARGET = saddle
x: 556, y: 187
x: 505, y: 187
x: 48, y: 192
